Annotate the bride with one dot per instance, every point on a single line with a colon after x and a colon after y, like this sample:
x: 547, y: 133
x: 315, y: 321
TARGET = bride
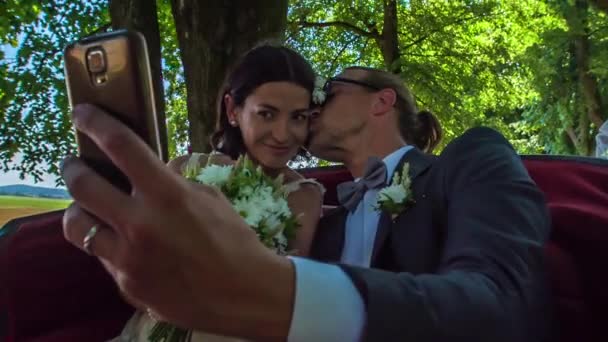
x: 264, y: 110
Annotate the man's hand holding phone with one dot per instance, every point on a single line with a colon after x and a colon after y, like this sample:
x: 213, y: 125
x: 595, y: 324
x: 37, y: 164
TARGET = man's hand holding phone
x: 179, y: 250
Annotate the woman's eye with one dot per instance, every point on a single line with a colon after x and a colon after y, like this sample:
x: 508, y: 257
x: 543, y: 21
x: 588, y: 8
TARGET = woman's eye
x: 300, y: 117
x: 265, y: 114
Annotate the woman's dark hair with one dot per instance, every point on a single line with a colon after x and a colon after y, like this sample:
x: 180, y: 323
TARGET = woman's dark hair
x: 263, y: 64
x: 419, y: 128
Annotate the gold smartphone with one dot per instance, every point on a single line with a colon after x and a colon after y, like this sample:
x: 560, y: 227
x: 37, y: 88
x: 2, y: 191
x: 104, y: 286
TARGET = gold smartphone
x: 112, y: 71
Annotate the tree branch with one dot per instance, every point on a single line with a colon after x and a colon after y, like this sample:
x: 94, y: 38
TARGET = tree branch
x: 601, y: 4
x: 51, y: 53
x: 101, y: 28
x: 424, y: 37
x: 362, y: 52
x: 333, y: 62
x: 573, y: 137
x: 342, y: 24
x: 596, y: 31
x: 446, y: 55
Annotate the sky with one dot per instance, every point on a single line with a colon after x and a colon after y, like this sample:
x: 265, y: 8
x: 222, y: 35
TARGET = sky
x: 12, y: 177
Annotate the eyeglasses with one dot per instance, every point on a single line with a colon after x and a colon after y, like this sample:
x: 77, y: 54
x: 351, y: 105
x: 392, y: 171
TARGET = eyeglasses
x: 328, y: 83
x: 400, y: 101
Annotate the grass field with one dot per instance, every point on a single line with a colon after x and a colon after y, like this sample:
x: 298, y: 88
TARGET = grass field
x: 13, y: 206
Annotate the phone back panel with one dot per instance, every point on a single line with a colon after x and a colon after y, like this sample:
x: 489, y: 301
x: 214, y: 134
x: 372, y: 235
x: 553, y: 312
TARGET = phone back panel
x: 123, y: 89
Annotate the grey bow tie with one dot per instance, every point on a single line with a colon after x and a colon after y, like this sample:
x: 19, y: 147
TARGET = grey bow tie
x: 351, y: 193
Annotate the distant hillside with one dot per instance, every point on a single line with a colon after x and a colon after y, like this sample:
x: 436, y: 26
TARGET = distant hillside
x: 33, y: 191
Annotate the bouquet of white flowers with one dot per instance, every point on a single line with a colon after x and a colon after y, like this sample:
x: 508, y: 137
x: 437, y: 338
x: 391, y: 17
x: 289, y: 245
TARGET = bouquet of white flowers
x: 259, y: 199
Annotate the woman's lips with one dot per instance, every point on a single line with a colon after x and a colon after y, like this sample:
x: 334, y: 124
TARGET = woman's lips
x: 278, y: 149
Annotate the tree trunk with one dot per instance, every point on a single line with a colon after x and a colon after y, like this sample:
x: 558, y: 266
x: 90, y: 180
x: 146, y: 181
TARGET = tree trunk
x: 585, y: 147
x: 593, y: 110
x: 141, y: 15
x: 588, y: 83
x: 389, y: 40
x: 601, y: 4
x: 212, y: 35
x: 573, y: 139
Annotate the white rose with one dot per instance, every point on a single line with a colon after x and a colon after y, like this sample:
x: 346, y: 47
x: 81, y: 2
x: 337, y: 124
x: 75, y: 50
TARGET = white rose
x: 272, y: 221
x: 245, y: 191
x: 395, y: 193
x: 282, y: 208
x: 250, y: 212
x: 318, y: 96
x: 216, y: 175
x: 281, y: 239
x: 263, y: 199
x: 319, y: 82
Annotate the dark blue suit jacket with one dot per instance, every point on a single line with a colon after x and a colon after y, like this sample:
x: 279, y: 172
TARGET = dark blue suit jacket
x: 465, y: 263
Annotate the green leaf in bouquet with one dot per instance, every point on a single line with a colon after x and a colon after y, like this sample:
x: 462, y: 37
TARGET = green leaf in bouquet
x: 191, y: 171
x: 165, y: 332
x: 291, y: 225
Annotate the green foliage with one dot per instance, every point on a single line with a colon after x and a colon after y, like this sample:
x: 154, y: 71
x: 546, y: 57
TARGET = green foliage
x: 505, y: 64
x: 35, y: 118
x: 165, y: 332
x: 19, y: 202
x: 176, y: 110
x: 558, y: 112
x: 33, y: 100
x: 13, y: 16
x: 458, y: 57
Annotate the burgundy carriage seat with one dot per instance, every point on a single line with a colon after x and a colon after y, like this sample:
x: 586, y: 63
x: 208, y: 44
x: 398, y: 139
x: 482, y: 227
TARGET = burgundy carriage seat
x: 51, y: 291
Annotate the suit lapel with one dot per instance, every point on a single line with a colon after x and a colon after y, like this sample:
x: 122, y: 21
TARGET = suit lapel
x: 329, y: 238
x: 419, y: 162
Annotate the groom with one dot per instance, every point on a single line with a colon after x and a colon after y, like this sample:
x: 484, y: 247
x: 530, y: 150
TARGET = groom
x: 462, y: 263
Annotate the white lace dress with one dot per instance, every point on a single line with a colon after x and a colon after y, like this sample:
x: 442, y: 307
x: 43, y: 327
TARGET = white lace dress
x: 139, y: 326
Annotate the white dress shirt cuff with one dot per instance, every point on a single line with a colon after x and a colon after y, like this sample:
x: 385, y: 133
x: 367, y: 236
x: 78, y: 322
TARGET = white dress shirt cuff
x: 327, y: 305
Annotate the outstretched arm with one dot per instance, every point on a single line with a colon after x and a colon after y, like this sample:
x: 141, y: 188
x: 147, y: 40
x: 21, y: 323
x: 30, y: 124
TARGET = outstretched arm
x: 177, y: 164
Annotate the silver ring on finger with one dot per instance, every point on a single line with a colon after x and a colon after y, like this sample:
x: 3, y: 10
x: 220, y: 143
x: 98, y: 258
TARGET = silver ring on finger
x: 152, y: 315
x: 87, y: 242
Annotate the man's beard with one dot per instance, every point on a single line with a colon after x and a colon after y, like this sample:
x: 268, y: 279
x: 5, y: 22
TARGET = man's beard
x: 330, y: 145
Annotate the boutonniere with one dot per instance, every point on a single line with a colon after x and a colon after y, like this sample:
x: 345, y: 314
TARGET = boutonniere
x: 318, y: 93
x: 397, y: 197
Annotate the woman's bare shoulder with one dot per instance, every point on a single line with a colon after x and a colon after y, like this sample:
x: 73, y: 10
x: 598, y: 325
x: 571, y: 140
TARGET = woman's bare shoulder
x: 220, y: 159
x: 179, y: 164
x: 290, y: 176
x: 296, y: 183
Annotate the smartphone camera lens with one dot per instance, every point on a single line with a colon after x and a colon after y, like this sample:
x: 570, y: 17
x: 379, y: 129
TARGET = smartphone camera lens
x: 96, y: 61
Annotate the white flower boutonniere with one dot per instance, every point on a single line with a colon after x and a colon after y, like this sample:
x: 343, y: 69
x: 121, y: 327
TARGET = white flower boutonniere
x: 398, y: 196
x: 318, y: 94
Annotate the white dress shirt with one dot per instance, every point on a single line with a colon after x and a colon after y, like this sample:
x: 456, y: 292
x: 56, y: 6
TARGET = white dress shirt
x: 327, y: 306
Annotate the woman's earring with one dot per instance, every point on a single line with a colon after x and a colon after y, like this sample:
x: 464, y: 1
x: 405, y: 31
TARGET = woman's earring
x: 233, y: 123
